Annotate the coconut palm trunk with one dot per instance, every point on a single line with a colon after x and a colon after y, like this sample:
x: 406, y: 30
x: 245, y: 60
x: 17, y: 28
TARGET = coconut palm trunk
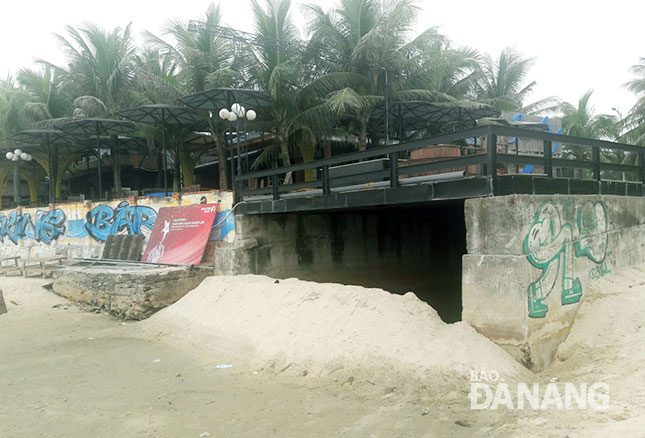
x: 116, y: 165
x: 176, y: 172
x: 284, y: 151
x: 222, y: 163
x: 362, y: 137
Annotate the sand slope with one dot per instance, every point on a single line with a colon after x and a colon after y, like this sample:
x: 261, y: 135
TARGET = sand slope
x: 606, y: 345
x: 319, y: 327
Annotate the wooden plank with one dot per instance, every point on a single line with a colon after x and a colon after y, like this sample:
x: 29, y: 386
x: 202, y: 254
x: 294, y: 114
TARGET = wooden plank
x: 123, y: 247
x: 112, y: 246
x: 136, y: 246
x: 39, y: 264
x: 43, y: 259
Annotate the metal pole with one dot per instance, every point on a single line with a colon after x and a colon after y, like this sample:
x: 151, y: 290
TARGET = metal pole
x: 387, y: 111
x: 98, y: 152
x: 163, y: 140
x: 246, y: 148
x: 230, y: 144
x: 237, y: 135
x: 16, y: 184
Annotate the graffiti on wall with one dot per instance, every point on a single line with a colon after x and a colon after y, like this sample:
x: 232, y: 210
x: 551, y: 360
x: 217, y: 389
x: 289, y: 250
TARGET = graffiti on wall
x: 45, y: 226
x: 101, y: 221
x: 551, y: 245
x: 104, y: 220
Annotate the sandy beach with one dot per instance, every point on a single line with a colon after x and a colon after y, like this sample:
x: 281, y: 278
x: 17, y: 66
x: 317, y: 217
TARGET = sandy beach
x: 223, y: 363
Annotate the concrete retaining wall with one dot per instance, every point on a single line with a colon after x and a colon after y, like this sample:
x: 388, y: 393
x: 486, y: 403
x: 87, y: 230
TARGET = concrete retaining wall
x: 530, y: 259
x: 80, y: 229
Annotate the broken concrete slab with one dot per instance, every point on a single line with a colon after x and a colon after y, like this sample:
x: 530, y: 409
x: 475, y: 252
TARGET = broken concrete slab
x: 129, y: 292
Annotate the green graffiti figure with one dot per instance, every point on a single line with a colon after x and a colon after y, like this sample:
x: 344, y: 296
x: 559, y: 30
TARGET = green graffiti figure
x: 592, y: 228
x: 549, y: 246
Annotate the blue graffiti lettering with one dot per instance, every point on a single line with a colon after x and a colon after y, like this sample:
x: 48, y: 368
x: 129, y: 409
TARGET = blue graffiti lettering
x: 103, y: 220
x: 48, y: 226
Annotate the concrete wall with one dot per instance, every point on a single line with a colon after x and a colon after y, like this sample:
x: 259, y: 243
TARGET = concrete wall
x: 80, y: 229
x: 530, y: 259
x: 398, y: 249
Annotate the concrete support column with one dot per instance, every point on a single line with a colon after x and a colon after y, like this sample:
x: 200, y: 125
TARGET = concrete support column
x: 530, y: 260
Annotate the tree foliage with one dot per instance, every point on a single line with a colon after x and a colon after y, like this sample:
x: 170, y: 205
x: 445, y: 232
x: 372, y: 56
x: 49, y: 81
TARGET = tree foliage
x: 325, y: 85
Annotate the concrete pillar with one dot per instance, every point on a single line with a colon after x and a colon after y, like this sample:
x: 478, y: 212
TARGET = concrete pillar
x: 530, y: 259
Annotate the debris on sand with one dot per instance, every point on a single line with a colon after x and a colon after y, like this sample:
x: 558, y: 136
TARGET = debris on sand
x: 3, y: 307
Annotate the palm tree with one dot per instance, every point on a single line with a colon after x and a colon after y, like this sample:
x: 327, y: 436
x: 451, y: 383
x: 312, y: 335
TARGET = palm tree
x: 436, y: 65
x: 100, y: 65
x: 28, y: 104
x: 276, y: 70
x: 580, y: 120
x: 46, y: 86
x: 633, y: 125
x: 364, y: 51
x: 198, y: 61
x: 501, y: 81
x: 196, y: 55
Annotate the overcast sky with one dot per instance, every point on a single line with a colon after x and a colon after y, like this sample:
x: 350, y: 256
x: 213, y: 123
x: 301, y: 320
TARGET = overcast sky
x: 577, y: 45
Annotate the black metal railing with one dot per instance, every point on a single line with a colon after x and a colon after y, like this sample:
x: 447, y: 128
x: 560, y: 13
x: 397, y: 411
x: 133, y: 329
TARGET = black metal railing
x: 488, y: 158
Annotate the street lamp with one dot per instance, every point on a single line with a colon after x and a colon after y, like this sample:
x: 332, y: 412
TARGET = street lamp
x: 234, y: 115
x: 17, y: 156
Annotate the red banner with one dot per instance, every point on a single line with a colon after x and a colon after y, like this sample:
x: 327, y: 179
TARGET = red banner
x: 180, y: 234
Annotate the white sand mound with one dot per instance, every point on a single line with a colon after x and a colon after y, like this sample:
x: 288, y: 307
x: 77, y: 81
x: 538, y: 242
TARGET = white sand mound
x: 321, y: 326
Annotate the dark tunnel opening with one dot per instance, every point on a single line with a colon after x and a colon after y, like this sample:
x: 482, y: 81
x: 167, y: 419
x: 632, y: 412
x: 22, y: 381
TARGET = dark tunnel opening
x: 399, y: 249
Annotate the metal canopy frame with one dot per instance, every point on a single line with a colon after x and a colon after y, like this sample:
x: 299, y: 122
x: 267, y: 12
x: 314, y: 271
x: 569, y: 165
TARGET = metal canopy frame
x: 34, y: 138
x: 416, y: 115
x: 165, y: 114
x: 94, y: 126
x: 218, y: 98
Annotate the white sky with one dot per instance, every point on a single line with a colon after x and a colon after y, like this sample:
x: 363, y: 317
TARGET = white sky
x: 578, y: 45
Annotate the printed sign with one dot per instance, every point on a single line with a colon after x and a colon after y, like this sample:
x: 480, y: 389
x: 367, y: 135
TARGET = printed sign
x: 180, y: 234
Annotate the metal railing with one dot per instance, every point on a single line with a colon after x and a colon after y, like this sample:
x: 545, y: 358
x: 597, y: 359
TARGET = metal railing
x: 489, y: 158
